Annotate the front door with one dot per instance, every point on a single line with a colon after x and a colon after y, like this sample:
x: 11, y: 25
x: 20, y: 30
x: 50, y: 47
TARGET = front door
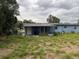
x: 29, y: 31
x: 35, y: 30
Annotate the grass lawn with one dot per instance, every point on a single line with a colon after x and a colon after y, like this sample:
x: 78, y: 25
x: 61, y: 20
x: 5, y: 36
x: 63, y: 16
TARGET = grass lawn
x: 65, y: 46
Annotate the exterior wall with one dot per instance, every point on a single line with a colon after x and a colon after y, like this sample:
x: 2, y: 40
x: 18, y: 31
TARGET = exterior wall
x: 68, y: 29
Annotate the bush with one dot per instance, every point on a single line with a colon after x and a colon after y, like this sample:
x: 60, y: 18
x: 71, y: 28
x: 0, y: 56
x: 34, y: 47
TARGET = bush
x: 56, y: 34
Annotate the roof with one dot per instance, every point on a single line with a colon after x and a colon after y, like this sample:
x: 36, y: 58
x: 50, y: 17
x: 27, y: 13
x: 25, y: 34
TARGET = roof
x: 48, y: 24
x: 67, y: 24
x: 38, y: 24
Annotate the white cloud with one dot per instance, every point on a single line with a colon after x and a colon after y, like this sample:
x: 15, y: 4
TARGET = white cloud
x: 38, y: 10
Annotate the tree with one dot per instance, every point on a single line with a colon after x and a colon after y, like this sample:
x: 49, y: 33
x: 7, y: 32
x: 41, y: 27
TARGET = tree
x: 8, y: 13
x: 53, y: 19
x: 28, y: 21
x: 20, y: 25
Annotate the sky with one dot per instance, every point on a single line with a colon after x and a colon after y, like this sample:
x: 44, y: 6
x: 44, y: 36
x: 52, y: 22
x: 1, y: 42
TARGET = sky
x: 39, y: 10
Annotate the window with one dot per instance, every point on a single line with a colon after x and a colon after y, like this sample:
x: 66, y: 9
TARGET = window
x: 55, y: 27
x: 65, y: 26
x: 75, y: 27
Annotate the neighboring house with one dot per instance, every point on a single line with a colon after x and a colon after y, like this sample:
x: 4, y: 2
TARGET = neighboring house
x: 49, y: 28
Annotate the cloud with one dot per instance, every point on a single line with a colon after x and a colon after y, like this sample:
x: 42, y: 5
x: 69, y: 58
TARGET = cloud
x: 66, y: 4
x: 38, y: 10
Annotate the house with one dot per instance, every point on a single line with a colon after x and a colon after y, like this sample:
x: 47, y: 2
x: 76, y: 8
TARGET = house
x: 49, y: 28
x: 67, y: 28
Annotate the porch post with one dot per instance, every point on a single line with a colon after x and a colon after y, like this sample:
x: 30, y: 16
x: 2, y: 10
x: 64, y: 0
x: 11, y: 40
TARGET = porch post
x: 44, y: 29
x: 40, y: 30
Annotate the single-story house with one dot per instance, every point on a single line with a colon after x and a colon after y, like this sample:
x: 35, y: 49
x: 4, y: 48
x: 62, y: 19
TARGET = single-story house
x: 49, y: 28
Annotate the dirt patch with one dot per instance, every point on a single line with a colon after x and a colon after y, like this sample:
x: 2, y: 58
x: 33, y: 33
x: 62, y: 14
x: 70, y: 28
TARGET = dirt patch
x: 74, y: 49
x: 5, y: 52
x: 50, y: 55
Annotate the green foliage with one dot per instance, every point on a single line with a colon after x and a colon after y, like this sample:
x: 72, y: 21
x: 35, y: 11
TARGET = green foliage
x: 8, y: 12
